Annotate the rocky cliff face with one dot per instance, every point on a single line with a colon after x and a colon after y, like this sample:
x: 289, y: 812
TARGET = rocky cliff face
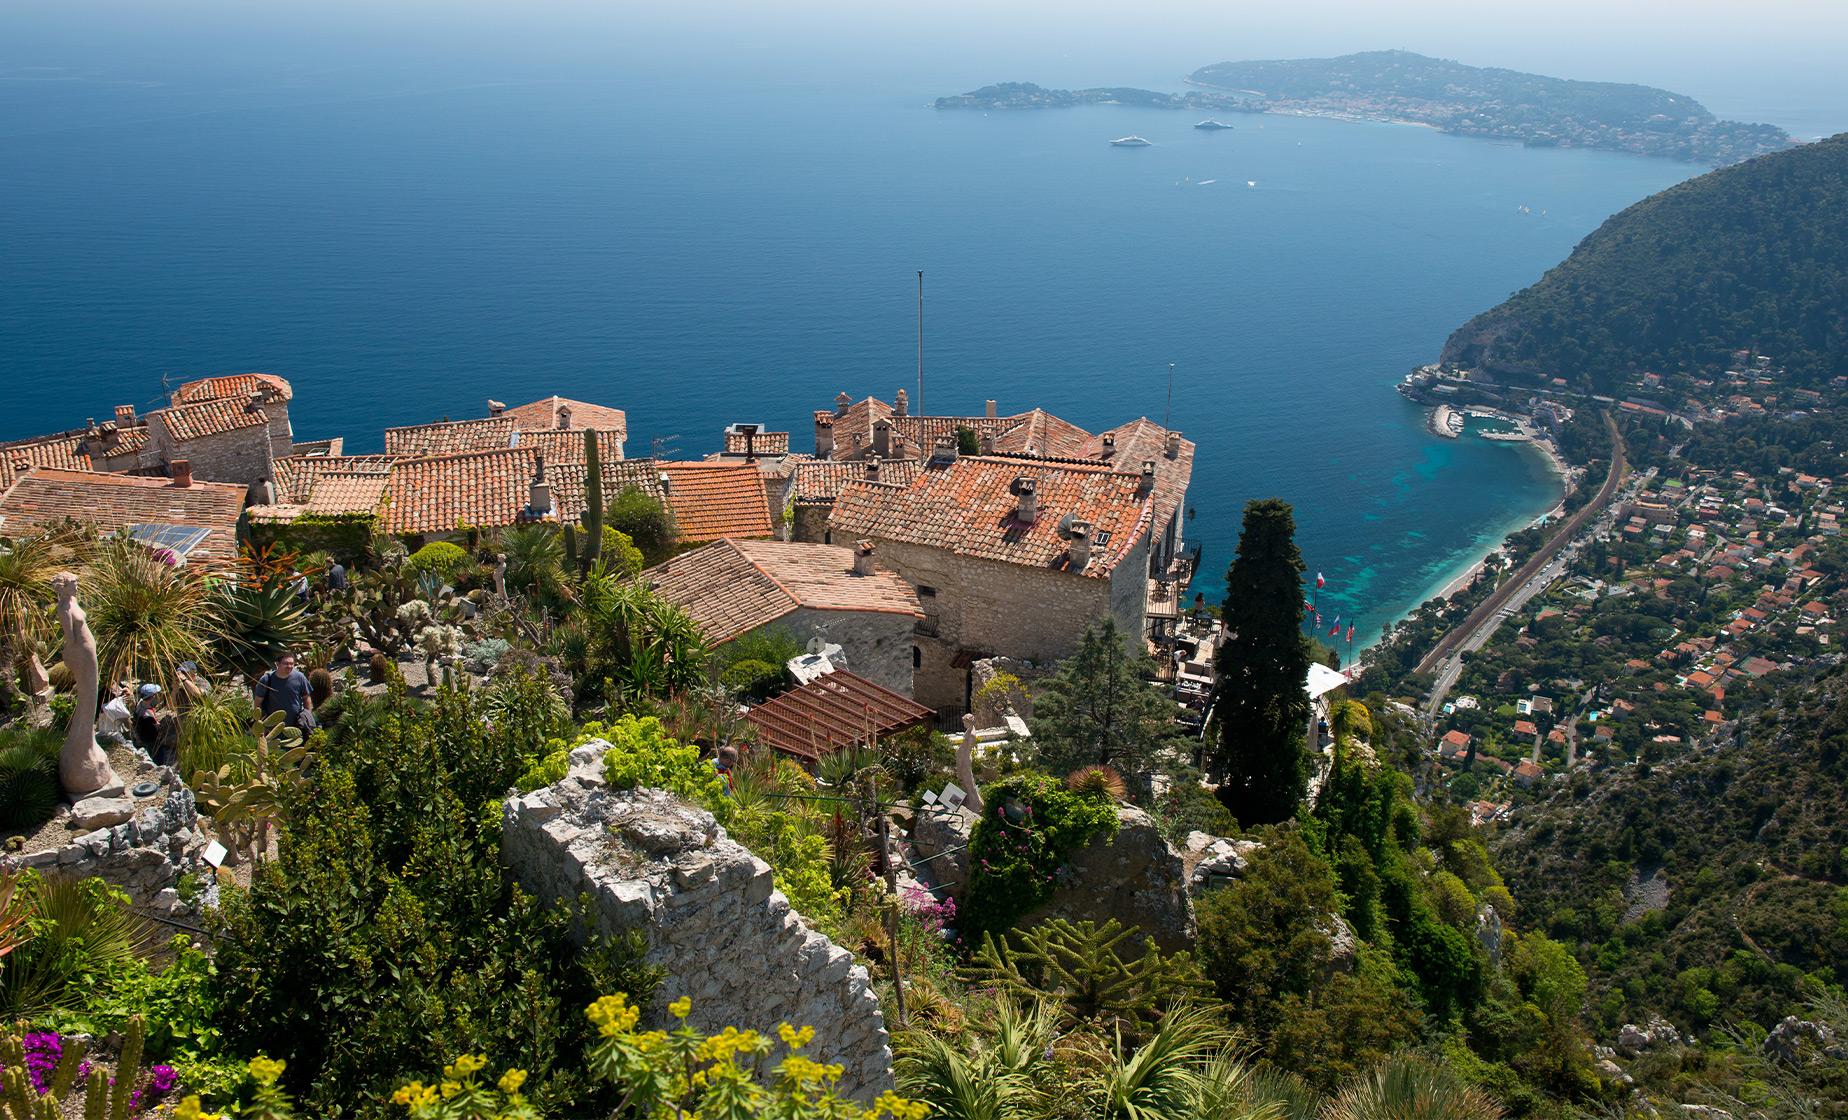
x: 715, y: 923
x: 1133, y: 877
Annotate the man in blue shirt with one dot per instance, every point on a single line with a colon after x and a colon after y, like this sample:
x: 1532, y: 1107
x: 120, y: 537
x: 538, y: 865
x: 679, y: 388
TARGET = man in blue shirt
x: 285, y: 689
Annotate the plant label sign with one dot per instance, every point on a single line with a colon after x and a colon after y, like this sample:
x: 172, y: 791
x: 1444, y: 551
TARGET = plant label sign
x: 214, y: 854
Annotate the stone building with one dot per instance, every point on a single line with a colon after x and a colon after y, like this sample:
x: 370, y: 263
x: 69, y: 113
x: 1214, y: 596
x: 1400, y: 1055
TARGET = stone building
x: 736, y: 587
x: 551, y: 424
x: 196, y: 521
x: 1010, y: 556
x: 711, y: 500
x: 814, y: 486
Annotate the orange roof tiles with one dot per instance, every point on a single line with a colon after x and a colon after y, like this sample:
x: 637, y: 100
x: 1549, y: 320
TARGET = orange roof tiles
x: 820, y: 480
x: 113, y: 502
x: 236, y: 386
x: 561, y: 446
x: 59, y: 451
x: 968, y: 507
x: 209, y: 418
x: 447, y: 492
x: 763, y: 443
x: 449, y: 437
x: 831, y: 713
x: 544, y: 413
x: 713, y: 500
x: 731, y: 587
x: 296, y: 475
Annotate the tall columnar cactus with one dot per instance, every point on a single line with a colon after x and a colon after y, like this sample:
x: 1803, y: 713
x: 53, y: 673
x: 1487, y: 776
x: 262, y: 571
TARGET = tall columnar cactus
x: 128, y: 1074
x: 19, y: 1100
x: 593, y: 502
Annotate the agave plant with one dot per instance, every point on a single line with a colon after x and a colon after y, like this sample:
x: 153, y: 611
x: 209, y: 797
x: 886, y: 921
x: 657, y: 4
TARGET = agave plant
x: 148, y: 616
x: 1407, y: 1088
x: 253, y: 625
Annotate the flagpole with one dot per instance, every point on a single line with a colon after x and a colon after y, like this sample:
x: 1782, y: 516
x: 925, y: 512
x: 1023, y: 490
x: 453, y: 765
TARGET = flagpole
x: 1168, y: 413
x: 921, y: 347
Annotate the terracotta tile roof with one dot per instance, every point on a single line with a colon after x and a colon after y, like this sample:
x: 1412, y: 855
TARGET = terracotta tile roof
x: 543, y: 414
x: 1142, y: 440
x: 450, y: 436
x: 443, y: 493
x: 819, y: 481
x: 713, y: 500
x: 732, y: 587
x: 296, y: 475
x: 129, y: 441
x: 113, y: 502
x: 562, y: 446
x: 969, y: 508
x: 763, y: 443
x: 209, y: 418
x: 236, y: 386
x: 833, y: 712
x: 1039, y: 433
x: 61, y: 451
x: 1036, y: 432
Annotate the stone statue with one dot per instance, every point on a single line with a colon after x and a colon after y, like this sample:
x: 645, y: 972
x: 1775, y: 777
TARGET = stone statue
x: 965, y: 765
x: 83, y: 768
x: 500, y: 576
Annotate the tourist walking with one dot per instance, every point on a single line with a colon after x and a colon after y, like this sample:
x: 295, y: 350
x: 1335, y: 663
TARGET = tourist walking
x: 285, y: 689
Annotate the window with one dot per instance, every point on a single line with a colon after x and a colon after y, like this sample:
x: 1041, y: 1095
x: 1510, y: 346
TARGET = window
x: 917, y: 657
x: 925, y: 591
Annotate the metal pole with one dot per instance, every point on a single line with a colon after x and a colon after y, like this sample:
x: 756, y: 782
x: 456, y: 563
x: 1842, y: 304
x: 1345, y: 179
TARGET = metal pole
x: 891, y: 866
x: 921, y: 346
x: 1168, y: 413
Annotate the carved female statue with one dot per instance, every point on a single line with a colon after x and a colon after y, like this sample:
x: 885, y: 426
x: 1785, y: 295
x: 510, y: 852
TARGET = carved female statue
x: 83, y: 768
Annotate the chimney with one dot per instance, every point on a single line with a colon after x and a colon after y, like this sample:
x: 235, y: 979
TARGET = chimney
x: 824, y: 436
x: 944, y: 453
x: 988, y: 443
x: 841, y: 401
x: 901, y: 405
x: 495, y: 408
x: 1078, y: 548
x: 1026, y: 500
x: 863, y: 559
x: 882, y: 438
x: 125, y: 416
x: 1148, y: 478
x: 1109, y: 445
x: 749, y: 432
x: 181, y: 471
x: 667, y: 484
x: 255, y: 403
x: 872, y: 468
x: 564, y: 417
x: 988, y: 409
x: 1174, y: 445
x: 539, y: 497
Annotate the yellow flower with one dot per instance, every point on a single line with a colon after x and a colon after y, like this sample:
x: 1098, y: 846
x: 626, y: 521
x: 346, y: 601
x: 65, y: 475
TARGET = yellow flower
x: 190, y: 1109
x: 265, y: 1071
x: 793, y: 1038
x: 451, y: 1088
x: 613, y: 1015
x: 897, y: 1107
x: 511, y: 1081
x: 681, y: 1007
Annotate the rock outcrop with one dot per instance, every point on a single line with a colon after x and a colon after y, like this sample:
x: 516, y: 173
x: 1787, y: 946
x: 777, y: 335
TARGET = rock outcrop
x: 1215, y: 861
x: 715, y: 922
x: 1633, y: 1040
x: 1132, y: 876
x: 940, y: 837
x: 148, y: 844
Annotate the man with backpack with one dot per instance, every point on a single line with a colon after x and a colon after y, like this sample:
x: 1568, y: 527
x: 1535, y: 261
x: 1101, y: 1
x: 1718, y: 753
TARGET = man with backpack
x: 285, y: 689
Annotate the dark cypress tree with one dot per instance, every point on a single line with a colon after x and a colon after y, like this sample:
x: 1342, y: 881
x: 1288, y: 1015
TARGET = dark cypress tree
x: 1262, y: 709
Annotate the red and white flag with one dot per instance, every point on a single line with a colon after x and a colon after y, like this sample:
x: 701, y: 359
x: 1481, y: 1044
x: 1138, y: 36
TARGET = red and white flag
x: 1319, y: 581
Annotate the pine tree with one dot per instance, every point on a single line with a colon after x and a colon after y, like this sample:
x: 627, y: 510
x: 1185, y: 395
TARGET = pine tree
x: 1262, y: 709
x: 1098, y: 711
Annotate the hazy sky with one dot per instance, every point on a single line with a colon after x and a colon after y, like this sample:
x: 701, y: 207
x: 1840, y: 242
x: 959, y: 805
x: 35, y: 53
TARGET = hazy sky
x: 1772, y: 58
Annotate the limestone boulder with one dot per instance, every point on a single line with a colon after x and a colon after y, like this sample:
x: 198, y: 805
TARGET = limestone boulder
x: 940, y: 838
x: 93, y: 813
x: 1215, y: 861
x: 1133, y: 876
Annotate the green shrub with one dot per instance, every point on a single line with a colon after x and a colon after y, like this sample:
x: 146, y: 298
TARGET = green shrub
x: 29, y: 789
x: 643, y: 755
x: 442, y: 559
x: 1032, y: 825
x: 753, y: 681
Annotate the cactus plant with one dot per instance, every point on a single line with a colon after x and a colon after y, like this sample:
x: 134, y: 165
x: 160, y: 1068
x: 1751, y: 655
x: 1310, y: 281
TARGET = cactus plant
x: 593, y: 502
x: 19, y: 1100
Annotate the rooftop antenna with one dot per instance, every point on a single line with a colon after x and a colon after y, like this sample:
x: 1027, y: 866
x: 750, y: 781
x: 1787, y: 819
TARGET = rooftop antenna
x: 1168, y: 414
x: 920, y: 346
x: 662, y: 445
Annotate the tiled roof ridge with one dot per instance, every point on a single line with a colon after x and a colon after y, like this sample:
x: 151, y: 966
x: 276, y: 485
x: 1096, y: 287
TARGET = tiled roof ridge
x: 120, y: 478
x: 762, y: 571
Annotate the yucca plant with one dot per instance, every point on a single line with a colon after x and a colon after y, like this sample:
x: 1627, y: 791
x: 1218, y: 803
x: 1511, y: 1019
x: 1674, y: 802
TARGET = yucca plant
x: 535, y: 559
x: 1407, y: 1088
x: 149, y: 617
x: 215, y: 735
x: 79, y: 928
x: 985, y: 1078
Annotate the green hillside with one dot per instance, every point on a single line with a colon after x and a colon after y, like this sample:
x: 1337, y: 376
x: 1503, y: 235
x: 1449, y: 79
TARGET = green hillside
x: 1751, y: 256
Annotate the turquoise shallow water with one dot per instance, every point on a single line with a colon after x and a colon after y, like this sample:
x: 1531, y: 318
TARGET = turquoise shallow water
x: 700, y: 255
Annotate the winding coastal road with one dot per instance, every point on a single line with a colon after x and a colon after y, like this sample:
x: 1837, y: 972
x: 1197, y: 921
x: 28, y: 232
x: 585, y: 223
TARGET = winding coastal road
x: 1541, y: 569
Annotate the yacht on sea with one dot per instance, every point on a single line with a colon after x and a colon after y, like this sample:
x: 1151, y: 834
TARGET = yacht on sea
x: 1129, y: 142
x: 1210, y: 124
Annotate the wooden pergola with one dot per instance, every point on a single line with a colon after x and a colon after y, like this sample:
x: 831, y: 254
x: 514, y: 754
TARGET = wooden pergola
x: 831, y: 713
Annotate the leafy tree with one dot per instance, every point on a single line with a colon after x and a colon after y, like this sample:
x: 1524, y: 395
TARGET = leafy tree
x: 647, y: 523
x: 1098, y: 711
x: 1265, y: 937
x: 1031, y: 827
x: 1262, y: 710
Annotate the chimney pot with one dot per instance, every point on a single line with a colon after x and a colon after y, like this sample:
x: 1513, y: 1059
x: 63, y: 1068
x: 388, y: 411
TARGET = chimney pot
x: 841, y: 401
x: 181, y: 470
x: 1109, y: 445
x: 1174, y: 445
x: 863, y: 559
x: 882, y: 437
x: 495, y: 408
x: 945, y: 451
x: 564, y: 417
x: 988, y: 409
x: 824, y: 436
x: 1078, y: 548
x: 988, y: 443
x: 901, y: 404
x: 1026, y: 500
x: 539, y: 496
x: 872, y: 468
x: 1148, y: 477
x: 125, y: 415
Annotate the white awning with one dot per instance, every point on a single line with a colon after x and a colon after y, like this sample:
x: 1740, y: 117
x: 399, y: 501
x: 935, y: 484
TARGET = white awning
x: 1322, y: 680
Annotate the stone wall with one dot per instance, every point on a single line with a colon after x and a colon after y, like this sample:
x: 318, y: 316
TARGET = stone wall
x: 144, y: 855
x: 241, y: 455
x: 877, y: 645
x: 715, y: 922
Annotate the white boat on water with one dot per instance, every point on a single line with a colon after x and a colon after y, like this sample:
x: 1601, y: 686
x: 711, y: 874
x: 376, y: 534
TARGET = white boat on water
x: 1129, y: 142
x: 1212, y: 125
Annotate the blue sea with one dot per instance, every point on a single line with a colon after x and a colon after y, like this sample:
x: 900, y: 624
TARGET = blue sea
x: 700, y: 253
